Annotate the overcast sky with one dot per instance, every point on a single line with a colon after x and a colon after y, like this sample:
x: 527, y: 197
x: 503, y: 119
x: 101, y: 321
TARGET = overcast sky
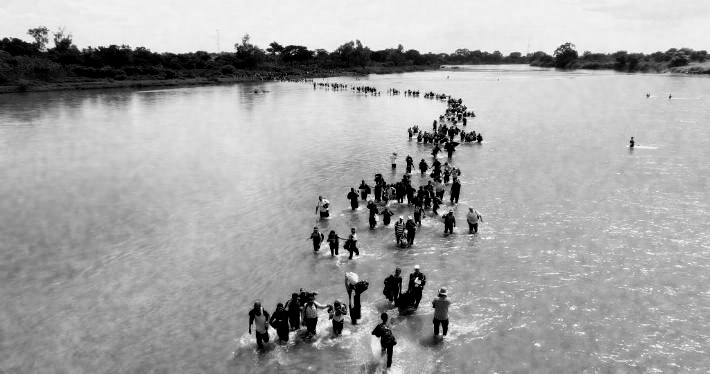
x: 428, y: 25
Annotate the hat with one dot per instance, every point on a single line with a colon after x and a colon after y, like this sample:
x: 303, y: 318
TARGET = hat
x: 442, y: 291
x: 416, y: 267
x: 409, y: 217
x: 400, y: 217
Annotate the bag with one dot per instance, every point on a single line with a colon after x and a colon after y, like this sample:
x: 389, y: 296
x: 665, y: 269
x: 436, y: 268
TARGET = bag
x: 361, y: 286
x: 386, y: 336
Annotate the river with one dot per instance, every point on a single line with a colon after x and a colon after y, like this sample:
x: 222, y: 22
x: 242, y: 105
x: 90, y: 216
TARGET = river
x: 138, y: 227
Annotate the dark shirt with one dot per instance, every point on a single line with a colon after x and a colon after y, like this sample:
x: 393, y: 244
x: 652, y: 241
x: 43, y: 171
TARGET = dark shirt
x: 378, y: 332
x: 293, y: 307
x: 420, y: 276
x: 393, y: 283
x: 450, y: 220
x: 455, y: 187
x: 373, y: 209
x: 353, y: 196
x: 410, y: 225
x: 279, y: 319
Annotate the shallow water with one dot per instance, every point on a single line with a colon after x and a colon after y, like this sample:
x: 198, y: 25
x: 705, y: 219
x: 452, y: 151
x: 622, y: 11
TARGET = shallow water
x: 138, y: 227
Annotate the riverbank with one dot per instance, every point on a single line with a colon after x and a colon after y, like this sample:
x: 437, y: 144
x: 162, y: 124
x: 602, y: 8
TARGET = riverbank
x: 238, y: 77
x: 692, y: 68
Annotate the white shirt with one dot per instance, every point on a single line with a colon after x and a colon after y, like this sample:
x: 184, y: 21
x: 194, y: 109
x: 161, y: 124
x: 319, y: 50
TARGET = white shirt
x: 321, y: 208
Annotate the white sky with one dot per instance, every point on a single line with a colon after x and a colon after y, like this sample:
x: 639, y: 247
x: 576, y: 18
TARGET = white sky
x: 426, y: 25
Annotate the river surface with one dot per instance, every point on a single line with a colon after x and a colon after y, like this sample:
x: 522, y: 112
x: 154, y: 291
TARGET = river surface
x: 138, y: 227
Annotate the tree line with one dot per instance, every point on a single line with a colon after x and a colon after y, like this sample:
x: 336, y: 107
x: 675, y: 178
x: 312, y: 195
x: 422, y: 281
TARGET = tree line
x: 37, y: 60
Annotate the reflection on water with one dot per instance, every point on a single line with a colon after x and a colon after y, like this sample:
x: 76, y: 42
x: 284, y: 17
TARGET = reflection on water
x: 138, y: 226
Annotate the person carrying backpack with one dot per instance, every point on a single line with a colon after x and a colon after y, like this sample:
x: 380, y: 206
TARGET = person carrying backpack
x: 387, y: 339
x: 317, y: 238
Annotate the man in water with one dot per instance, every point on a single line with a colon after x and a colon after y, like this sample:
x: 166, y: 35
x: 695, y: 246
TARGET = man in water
x: 260, y: 319
x: 455, y: 191
x: 393, y: 158
x: 351, y: 244
x: 317, y: 238
x: 441, y: 312
x: 449, y: 222
x: 410, y: 163
x: 632, y: 142
x: 355, y: 308
x: 399, y: 231
x: 423, y: 166
x: 352, y: 196
x: 386, y: 215
x: 373, y: 211
x: 472, y: 218
x: 322, y: 207
x: 279, y: 320
x: 310, y: 314
x: 364, y: 190
x: 411, y: 227
x: 393, y: 286
x: 337, y: 313
x: 387, y: 339
x: 293, y: 307
x: 417, y: 281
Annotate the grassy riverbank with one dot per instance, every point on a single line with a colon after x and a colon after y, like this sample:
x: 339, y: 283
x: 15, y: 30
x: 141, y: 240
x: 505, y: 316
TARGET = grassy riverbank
x: 238, y: 76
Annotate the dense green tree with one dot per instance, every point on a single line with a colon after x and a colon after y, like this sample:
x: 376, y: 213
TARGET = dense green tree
x: 565, y: 55
x: 249, y: 55
x: 18, y: 47
x: 275, y: 48
x: 296, y: 53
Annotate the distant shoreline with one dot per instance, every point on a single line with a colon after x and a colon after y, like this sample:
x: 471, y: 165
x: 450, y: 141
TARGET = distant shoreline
x: 240, y: 77
x: 265, y: 76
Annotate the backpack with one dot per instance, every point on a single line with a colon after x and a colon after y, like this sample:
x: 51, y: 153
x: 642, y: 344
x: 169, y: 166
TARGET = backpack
x: 387, y: 337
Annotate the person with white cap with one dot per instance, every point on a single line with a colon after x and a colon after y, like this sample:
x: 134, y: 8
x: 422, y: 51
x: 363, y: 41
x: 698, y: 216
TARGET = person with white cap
x: 449, y: 222
x: 417, y: 280
x: 394, y: 160
x: 441, y: 312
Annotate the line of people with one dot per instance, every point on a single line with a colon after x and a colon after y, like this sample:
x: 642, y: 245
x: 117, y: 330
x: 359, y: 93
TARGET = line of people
x: 302, y: 310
